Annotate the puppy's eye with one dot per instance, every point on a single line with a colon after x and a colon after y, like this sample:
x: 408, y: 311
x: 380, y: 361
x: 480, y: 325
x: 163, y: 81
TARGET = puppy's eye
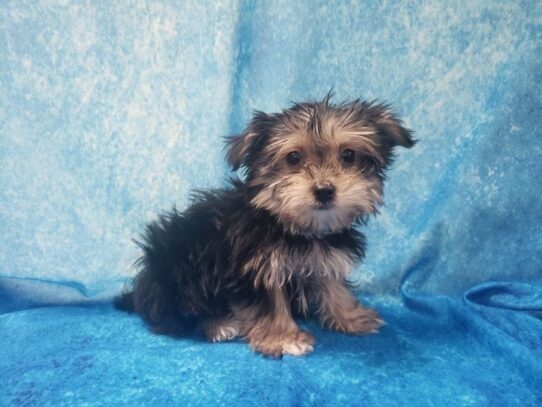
x: 293, y: 158
x: 348, y: 156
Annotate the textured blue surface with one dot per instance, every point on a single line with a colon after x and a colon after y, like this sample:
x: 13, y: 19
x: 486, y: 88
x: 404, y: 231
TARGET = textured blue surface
x: 113, y: 111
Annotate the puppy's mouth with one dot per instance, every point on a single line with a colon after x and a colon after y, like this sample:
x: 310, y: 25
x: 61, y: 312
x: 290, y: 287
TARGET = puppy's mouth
x: 319, y: 206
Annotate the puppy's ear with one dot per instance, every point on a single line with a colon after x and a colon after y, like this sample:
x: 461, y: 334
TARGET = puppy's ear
x: 243, y: 148
x: 390, y: 127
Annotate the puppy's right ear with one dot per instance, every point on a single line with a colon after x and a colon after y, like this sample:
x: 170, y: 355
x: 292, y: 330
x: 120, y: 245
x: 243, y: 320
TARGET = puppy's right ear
x: 243, y: 148
x: 389, y: 126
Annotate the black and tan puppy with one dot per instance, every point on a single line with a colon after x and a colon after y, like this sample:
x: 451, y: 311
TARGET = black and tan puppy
x: 243, y: 261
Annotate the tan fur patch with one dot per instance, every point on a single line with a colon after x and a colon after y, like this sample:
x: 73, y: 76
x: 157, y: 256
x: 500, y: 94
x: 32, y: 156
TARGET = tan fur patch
x: 279, y: 264
x: 339, y: 310
x: 291, y: 198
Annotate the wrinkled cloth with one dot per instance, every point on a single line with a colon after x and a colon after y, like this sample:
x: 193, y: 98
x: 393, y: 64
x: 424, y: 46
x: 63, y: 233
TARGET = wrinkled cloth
x: 111, y: 113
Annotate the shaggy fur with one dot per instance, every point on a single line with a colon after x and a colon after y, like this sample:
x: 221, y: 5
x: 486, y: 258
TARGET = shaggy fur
x: 245, y: 260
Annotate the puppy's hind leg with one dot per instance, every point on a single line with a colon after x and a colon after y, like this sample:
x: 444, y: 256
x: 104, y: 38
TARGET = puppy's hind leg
x: 221, y: 329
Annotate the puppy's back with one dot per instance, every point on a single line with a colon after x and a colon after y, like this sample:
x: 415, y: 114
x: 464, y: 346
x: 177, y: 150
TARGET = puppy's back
x: 183, y: 254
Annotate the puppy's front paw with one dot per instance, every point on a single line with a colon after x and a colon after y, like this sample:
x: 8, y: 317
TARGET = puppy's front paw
x: 296, y: 344
x: 303, y: 343
x: 356, y: 322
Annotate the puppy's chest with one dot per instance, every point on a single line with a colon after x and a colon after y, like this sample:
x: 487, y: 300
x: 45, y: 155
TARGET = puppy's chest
x: 316, y: 258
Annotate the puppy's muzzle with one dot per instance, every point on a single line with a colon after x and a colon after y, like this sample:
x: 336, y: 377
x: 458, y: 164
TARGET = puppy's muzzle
x: 324, y: 193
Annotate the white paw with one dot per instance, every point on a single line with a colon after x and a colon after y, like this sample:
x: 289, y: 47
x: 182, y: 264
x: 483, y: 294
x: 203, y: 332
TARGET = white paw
x: 295, y: 344
x: 296, y: 348
x: 225, y: 333
x: 219, y: 331
x: 300, y: 345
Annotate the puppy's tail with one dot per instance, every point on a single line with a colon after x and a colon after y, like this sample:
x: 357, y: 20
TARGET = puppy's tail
x: 125, y: 302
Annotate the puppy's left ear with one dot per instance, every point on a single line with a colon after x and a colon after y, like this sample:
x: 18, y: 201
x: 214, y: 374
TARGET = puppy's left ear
x: 243, y: 148
x: 390, y: 127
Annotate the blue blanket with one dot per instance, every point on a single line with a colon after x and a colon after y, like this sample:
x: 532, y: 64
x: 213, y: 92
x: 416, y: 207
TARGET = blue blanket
x: 113, y: 112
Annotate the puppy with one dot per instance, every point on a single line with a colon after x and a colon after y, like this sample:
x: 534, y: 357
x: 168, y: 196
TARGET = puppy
x: 243, y: 261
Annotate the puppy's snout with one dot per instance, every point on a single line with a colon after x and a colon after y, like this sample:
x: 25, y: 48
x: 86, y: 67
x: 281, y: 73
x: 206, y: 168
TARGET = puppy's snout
x: 324, y: 193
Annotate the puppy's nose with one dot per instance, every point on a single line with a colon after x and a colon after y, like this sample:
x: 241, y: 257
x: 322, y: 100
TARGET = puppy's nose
x: 324, y: 193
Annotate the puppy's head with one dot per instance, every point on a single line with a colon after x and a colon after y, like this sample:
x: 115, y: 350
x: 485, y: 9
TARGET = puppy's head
x: 318, y: 167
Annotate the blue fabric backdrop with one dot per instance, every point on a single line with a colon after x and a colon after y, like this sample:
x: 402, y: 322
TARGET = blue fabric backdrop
x: 111, y: 112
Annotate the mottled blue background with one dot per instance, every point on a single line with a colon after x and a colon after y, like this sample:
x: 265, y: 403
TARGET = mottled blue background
x: 111, y: 112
